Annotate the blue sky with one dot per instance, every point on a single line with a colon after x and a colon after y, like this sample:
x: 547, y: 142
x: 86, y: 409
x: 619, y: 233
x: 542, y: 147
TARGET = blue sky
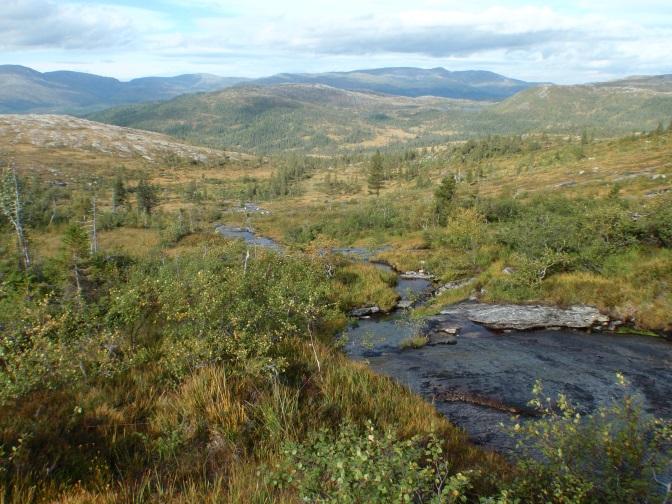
x: 566, y: 42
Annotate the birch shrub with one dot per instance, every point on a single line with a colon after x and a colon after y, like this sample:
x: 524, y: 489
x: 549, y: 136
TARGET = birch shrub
x: 610, y: 455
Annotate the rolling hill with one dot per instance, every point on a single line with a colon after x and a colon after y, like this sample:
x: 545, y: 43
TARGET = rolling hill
x: 413, y: 82
x: 23, y: 90
x: 662, y: 83
x: 320, y: 118
x: 613, y: 108
x: 308, y: 117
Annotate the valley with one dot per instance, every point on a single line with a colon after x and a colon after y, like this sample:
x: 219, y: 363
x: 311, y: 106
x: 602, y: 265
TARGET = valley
x: 213, y: 297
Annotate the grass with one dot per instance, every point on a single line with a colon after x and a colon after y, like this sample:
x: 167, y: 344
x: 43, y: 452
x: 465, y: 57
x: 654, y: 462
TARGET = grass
x: 362, y: 284
x: 137, y: 242
x: 414, y: 342
x: 215, y: 433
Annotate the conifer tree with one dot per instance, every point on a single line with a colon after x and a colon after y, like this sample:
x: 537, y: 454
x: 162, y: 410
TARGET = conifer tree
x: 147, y: 196
x: 118, y: 194
x: 376, y: 179
x: 443, y: 198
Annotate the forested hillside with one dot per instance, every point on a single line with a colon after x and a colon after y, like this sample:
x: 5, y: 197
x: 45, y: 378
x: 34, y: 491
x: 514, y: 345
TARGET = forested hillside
x: 321, y: 119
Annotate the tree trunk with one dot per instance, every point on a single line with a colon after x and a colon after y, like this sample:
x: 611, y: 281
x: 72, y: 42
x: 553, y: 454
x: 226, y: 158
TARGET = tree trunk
x: 11, y: 207
x: 94, y: 233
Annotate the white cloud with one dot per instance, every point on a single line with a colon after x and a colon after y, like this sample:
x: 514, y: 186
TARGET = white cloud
x: 40, y: 24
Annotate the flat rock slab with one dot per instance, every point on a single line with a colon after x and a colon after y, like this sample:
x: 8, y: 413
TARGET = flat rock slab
x: 524, y: 317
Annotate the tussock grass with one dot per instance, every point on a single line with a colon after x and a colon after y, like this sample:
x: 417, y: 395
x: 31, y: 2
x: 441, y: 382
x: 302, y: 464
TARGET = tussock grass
x: 362, y: 284
x: 209, y: 439
x: 417, y: 341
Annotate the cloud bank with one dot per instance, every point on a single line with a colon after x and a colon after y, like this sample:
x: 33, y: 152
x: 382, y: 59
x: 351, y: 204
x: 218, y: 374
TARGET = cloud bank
x: 569, y: 42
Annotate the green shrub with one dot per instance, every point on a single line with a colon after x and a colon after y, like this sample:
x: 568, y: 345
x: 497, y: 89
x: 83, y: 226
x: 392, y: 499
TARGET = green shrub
x: 607, y: 456
x: 358, y: 465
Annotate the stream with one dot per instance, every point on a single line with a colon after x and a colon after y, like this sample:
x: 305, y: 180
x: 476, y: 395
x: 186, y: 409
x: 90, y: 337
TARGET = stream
x: 487, y: 377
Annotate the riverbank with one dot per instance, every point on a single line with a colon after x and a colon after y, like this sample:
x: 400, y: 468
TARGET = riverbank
x: 480, y: 377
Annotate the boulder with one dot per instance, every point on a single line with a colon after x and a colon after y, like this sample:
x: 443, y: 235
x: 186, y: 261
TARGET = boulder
x: 416, y: 275
x: 450, y: 330
x: 365, y: 311
x: 404, y: 304
x: 522, y: 317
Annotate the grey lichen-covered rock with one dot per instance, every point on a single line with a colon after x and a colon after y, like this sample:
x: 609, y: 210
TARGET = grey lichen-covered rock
x: 458, y: 284
x: 365, y: 311
x: 416, y: 275
x: 404, y: 304
x: 522, y: 317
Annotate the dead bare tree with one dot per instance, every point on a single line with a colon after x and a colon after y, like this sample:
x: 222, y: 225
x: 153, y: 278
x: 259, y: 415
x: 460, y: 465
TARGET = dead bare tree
x: 94, y: 229
x: 12, y: 207
x: 667, y: 485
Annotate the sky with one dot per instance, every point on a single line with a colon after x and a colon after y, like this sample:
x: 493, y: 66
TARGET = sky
x: 571, y: 41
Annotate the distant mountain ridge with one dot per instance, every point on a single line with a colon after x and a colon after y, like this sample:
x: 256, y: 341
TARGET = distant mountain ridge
x: 412, y: 82
x: 24, y: 90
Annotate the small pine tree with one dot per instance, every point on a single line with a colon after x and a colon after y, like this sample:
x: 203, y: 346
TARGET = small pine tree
x: 76, y: 243
x: 376, y: 179
x: 147, y: 196
x: 75, y: 249
x: 118, y: 194
x: 585, y: 139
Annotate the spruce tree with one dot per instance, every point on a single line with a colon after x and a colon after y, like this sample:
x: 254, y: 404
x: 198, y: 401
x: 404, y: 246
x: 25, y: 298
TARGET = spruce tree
x: 147, y: 196
x: 376, y: 179
x: 443, y: 198
x: 118, y: 194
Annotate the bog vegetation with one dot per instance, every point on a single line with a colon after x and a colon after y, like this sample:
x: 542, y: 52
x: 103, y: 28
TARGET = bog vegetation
x: 144, y: 359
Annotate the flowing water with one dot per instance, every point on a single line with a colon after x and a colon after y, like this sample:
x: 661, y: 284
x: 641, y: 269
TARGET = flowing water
x: 487, y: 377
x: 249, y: 236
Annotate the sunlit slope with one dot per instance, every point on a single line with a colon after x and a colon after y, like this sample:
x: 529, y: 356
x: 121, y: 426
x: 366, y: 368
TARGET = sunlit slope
x: 607, y: 110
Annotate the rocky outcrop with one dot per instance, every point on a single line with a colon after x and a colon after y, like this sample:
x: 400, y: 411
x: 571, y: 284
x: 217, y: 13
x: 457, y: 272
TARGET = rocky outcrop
x: 62, y: 131
x: 523, y: 317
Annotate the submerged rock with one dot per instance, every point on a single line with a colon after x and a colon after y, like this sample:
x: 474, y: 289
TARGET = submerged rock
x: 523, y: 317
x: 450, y: 330
x: 442, y: 338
